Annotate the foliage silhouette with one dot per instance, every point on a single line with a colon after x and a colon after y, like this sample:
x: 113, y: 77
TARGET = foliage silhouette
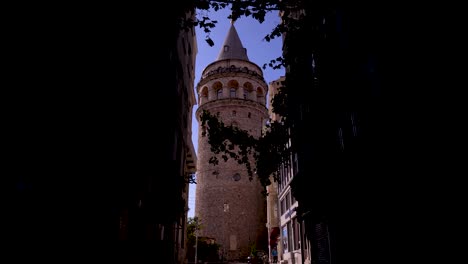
x: 206, y: 250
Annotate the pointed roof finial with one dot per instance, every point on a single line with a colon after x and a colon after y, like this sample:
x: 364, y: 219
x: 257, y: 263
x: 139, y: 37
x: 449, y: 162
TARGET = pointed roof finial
x: 232, y: 47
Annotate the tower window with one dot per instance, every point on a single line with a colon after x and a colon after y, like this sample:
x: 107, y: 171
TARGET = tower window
x: 219, y: 93
x: 233, y: 92
x: 236, y: 177
x: 249, y: 115
x: 233, y: 113
x: 226, y: 48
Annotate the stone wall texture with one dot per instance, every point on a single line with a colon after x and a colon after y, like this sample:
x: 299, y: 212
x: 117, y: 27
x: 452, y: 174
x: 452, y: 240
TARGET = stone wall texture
x: 232, y: 210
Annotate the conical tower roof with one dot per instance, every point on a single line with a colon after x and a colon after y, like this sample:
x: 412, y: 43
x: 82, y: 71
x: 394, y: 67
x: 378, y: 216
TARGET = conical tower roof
x: 232, y: 47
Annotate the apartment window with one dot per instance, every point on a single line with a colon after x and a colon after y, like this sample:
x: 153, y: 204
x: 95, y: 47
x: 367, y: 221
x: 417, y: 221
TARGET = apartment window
x: 283, y: 207
x: 289, y: 237
x: 282, y: 176
x: 284, y: 172
x: 296, y: 236
x: 288, y: 200
x: 284, y: 238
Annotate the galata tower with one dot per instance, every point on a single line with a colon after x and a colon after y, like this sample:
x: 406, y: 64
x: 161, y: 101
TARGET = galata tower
x: 231, y: 208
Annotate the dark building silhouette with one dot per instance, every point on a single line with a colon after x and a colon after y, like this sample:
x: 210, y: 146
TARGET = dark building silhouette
x: 101, y: 141
x: 355, y: 90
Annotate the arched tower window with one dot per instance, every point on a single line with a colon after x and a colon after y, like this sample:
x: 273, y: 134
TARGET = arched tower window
x: 248, y: 88
x: 260, y: 96
x: 218, y: 88
x: 233, y: 85
x: 203, y: 95
x: 259, y: 92
x: 236, y: 177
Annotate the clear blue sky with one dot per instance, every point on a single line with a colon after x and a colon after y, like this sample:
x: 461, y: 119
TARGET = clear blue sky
x: 259, y: 51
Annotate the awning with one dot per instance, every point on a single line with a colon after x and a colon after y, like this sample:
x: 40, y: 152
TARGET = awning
x: 274, y: 234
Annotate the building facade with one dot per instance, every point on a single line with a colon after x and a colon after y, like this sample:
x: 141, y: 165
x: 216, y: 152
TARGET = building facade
x: 185, y: 152
x: 231, y: 208
x: 283, y: 205
x: 273, y: 222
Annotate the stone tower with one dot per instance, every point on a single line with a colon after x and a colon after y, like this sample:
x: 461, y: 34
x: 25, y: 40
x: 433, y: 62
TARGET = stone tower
x: 231, y: 208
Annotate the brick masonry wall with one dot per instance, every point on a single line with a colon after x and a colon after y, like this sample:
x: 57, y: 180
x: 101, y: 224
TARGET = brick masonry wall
x: 232, y: 212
